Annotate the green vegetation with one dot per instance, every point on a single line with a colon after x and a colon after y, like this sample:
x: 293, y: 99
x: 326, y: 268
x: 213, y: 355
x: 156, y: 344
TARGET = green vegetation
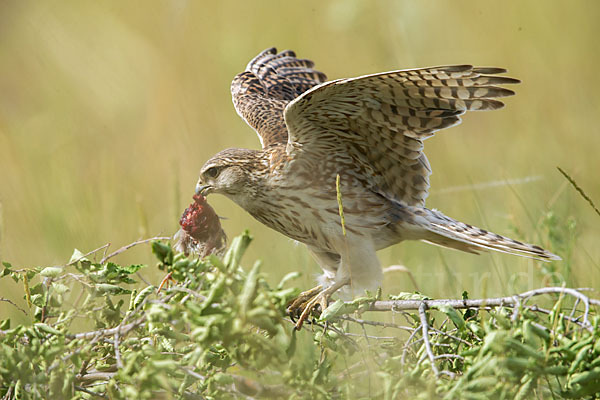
x: 222, y: 333
x: 107, y: 111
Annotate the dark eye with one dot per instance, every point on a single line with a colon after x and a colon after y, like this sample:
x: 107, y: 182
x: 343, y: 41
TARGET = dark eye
x: 212, y: 172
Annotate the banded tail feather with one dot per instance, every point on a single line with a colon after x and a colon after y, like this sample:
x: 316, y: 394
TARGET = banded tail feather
x: 447, y: 232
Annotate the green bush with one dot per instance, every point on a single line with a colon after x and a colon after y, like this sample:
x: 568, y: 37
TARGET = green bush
x: 221, y: 332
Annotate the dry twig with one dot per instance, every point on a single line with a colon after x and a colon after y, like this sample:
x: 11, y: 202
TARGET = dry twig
x: 425, y: 327
x: 130, y: 245
x: 508, y: 301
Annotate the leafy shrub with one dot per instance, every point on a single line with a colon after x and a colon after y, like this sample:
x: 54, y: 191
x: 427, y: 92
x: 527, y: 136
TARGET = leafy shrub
x: 222, y: 332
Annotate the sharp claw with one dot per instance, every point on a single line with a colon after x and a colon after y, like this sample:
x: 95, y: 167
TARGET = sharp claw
x: 309, y: 306
x: 164, y: 282
x: 303, y: 298
x: 309, y: 300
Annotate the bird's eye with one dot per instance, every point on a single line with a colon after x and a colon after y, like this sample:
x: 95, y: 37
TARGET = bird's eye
x: 212, y: 172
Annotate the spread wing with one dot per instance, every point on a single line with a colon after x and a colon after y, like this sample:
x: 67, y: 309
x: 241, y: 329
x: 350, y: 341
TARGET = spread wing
x: 261, y: 93
x: 381, y: 121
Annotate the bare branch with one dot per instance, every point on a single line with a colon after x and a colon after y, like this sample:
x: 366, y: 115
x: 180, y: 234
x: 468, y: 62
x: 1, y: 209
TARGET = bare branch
x: 104, y: 246
x: 451, y: 336
x: 121, y: 330
x: 84, y: 390
x: 508, y: 301
x: 377, y: 323
x: 130, y: 245
x: 14, y: 304
x: 117, y: 351
x: 407, y: 345
x: 425, y: 327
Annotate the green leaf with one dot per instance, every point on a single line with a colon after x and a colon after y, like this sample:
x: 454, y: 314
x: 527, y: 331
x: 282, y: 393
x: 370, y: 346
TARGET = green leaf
x: 454, y: 315
x: 76, y: 256
x: 163, y: 252
x: 249, y: 290
x: 133, y: 268
x: 238, y: 246
x: 409, y: 296
x: 108, y: 288
x: 142, y: 295
x: 288, y: 277
x: 47, y: 328
x: 7, y: 268
x: 51, y: 272
x: 59, y: 288
x: 339, y: 308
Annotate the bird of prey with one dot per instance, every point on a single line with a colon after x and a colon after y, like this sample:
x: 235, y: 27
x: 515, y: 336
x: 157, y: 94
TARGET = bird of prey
x: 369, y: 132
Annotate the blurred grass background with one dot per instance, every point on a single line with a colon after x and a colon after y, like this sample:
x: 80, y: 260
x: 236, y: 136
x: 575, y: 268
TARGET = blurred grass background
x: 108, y: 110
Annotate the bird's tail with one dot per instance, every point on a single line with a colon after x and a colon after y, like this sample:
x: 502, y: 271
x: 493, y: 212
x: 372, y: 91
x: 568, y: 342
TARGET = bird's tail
x: 447, y: 232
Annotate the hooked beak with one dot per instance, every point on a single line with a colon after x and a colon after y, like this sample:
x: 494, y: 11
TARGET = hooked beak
x: 202, y: 189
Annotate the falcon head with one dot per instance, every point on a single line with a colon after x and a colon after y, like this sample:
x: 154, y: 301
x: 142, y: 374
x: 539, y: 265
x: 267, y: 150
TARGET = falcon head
x: 235, y: 173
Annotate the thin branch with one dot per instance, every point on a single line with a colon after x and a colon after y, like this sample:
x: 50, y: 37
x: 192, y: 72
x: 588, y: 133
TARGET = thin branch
x: 193, y: 374
x: 377, y: 323
x: 104, y: 246
x: 186, y: 290
x: 425, y: 327
x: 117, y: 351
x: 407, y: 345
x: 572, y: 292
x: 441, y: 356
x: 11, y: 302
x: 121, y: 330
x: 451, y: 336
x: 84, y: 390
x: 130, y: 245
x: 515, y: 314
x: 574, y: 309
x: 508, y: 301
x: 366, y: 336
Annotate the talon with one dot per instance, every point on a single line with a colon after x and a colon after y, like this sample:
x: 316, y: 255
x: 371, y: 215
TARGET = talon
x: 307, y: 302
x: 165, y: 281
x: 303, y: 298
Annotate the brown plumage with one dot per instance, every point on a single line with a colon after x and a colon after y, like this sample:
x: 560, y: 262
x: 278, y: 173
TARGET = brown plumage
x: 368, y: 130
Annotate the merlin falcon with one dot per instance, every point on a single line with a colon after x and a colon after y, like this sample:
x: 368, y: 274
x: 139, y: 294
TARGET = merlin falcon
x: 367, y: 130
